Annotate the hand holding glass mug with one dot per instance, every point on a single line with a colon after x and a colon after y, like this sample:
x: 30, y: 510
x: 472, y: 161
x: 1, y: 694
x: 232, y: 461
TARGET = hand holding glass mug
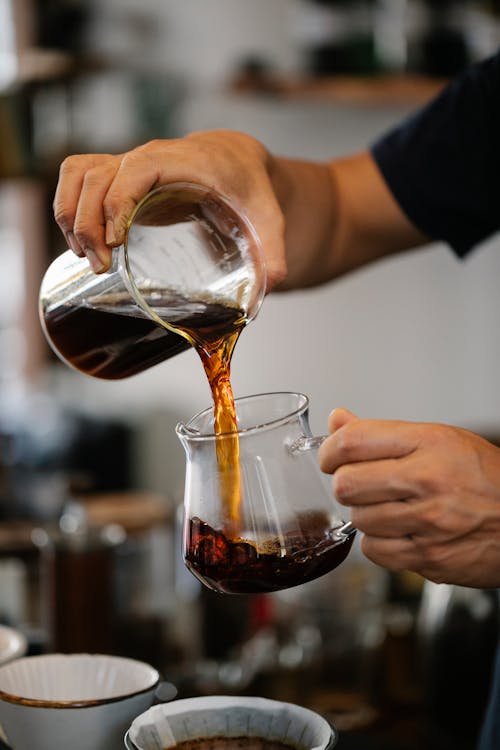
x: 424, y: 495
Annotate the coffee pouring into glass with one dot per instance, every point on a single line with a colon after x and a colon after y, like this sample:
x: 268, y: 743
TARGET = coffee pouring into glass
x: 266, y: 521
x: 191, y: 262
x: 258, y: 515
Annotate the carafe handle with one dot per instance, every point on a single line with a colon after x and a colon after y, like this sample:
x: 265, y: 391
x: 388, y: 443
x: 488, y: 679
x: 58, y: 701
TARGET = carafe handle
x: 312, y: 442
x: 306, y: 443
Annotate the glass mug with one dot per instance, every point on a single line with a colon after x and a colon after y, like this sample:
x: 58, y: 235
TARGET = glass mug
x: 289, y: 529
x: 191, y: 260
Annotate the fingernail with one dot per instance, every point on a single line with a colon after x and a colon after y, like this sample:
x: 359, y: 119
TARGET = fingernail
x: 74, y: 244
x: 95, y: 261
x: 110, y: 232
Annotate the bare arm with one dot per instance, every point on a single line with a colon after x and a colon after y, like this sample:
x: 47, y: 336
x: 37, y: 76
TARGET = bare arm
x: 316, y: 221
x: 338, y: 216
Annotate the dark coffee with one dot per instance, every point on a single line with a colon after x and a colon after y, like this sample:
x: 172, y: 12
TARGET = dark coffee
x: 113, y: 341
x: 232, y: 743
x: 215, y: 355
x: 236, y: 566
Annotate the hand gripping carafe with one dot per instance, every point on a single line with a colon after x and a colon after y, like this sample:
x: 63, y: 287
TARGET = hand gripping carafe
x: 191, y: 259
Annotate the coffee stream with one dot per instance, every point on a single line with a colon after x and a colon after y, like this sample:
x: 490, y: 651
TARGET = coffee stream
x: 111, y: 340
x: 114, y: 341
x: 215, y: 352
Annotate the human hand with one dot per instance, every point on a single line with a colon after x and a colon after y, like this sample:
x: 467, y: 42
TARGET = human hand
x: 426, y: 496
x: 97, y: 193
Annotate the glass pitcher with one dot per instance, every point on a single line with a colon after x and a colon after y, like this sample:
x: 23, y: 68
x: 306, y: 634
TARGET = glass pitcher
x: 191, y: 260
x: 288, y: 528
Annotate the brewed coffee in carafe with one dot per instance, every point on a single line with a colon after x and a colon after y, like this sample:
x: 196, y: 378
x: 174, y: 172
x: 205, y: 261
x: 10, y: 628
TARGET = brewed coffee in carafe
x: 191, y: 269
x: 282, y: 527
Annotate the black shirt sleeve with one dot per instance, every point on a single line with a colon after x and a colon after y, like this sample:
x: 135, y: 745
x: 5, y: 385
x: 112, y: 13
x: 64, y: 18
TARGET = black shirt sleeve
x: 442, y: 164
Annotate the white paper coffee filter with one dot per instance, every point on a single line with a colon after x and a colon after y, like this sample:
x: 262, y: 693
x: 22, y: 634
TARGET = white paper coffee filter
x: 166, y: 725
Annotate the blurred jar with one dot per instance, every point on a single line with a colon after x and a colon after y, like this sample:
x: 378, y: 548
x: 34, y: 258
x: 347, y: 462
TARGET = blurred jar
x: 77, y: 584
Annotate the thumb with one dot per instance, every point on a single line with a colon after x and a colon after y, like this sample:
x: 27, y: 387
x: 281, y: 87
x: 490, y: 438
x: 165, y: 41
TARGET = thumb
x: 338, y: 418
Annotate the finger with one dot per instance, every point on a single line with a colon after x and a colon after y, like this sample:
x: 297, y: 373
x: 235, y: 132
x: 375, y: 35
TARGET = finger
x: 148, y: 167
x: 368, y: 482
x: 438, y: 562
x: 71, y: 176
x: 390, y: 520
x: 368, y: 440
x: 338, y: 418
x: 393, y: 554
x: 138, y: 174
x: 89, y: 224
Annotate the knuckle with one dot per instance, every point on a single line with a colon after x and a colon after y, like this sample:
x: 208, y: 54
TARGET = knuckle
x: 348, y: 441
x: 325, y: 457
x: 441, y: 432
x: 146, y: 151
x: 371, y: 550
x: 131, y: 158
x: 94, y: 176
x: 72, y: 164
x: 343, y: 484
x: 358, y: 518
x: 443, y: 518
x: 86, y: 231
x: 432, y: 556
x: 152, y: 145
x: 434, y: 517
x: 63, y: 216
x: 428, y: 479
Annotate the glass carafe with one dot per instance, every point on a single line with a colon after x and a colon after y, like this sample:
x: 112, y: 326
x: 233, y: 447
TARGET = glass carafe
x: 191, y: 262
x: 288, y: 528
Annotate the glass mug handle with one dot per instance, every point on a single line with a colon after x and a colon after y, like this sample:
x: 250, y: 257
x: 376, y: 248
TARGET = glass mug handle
x: 306, y: 443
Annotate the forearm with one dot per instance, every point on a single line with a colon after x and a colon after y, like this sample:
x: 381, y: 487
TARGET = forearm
x: 339, y: 216
x: 315, y: 221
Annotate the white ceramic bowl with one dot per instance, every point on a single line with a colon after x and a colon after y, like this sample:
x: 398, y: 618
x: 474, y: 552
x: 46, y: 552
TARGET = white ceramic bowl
x: 165, y: 725
x: 13, y: 644
x: 77, y: 701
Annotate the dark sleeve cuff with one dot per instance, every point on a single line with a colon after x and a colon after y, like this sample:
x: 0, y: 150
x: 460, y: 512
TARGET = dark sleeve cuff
x: 441, y: 164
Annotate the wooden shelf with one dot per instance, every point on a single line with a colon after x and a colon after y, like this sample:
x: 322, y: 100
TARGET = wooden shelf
x: 374, y: 90
x: 40, y: 65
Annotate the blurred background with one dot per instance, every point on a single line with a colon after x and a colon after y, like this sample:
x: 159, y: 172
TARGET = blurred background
x: 91, y: 474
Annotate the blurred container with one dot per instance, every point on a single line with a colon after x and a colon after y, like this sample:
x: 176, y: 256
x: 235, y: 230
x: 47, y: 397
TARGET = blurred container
x: 13, y: 644
x: 77, y: 584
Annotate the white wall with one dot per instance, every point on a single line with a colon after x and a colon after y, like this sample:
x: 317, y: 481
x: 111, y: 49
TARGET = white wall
x: 201, y: 40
